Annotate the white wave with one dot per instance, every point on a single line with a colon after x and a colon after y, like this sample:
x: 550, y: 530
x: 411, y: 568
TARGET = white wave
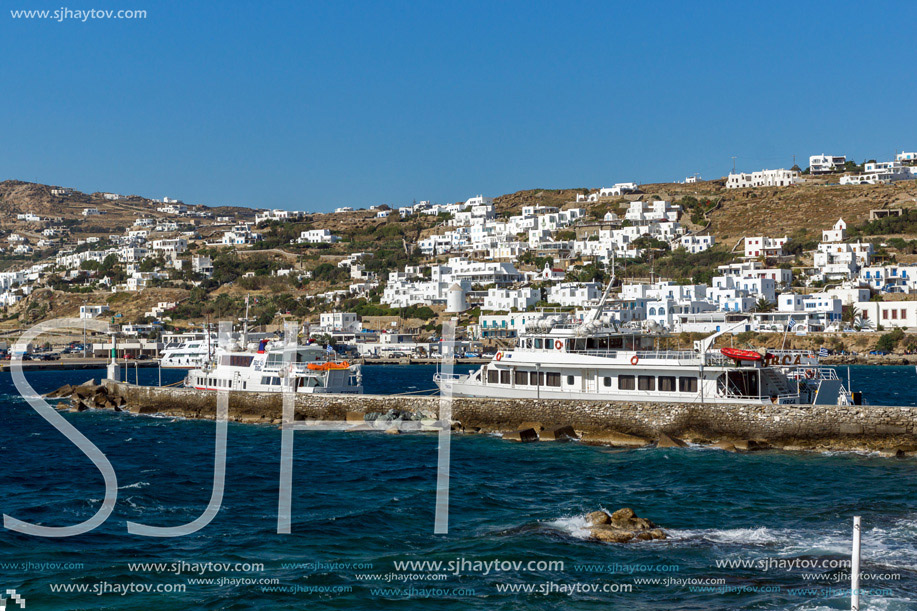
x: 867, y: 603
x: 738, y: 536
x: 134, y: 485
x: 574, y: 526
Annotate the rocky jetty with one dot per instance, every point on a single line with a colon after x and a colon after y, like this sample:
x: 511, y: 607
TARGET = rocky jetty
x: 88, y: 395
x: 621, y: 526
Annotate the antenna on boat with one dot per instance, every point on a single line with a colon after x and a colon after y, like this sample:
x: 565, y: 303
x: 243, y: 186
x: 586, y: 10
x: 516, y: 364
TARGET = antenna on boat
x: 597, y: 310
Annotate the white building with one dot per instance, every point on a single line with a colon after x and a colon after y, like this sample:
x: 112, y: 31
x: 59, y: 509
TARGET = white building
x: 505, y: 300
x: 92, y: 311
x: 575, y: 294
x: 838, y: 233
x: 317, y: 236
x: 825, y: 164
x: 880, y: 173
x: 764, y: 178
x: 696, y: 243
x: 170, y: 246
x: 240, y: 235
x: 91, y: 212
x: 347, y: 322
x: 889, y: 314
x: 760, y: 246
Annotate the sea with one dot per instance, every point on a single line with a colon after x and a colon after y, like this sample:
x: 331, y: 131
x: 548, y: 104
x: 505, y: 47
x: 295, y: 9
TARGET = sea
x: 769, y: 530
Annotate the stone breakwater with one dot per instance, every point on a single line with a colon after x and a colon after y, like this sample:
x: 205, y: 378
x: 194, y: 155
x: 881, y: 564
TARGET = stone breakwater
x: 889, y: 429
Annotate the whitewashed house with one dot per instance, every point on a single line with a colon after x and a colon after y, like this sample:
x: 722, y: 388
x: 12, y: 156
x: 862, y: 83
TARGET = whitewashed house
x: 764, y: 178
x: 826, y: 164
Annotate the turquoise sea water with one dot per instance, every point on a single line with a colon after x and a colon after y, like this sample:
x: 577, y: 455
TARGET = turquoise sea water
x: 755, y: 531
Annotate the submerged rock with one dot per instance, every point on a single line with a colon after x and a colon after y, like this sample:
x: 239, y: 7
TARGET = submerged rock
x: 621, y: 526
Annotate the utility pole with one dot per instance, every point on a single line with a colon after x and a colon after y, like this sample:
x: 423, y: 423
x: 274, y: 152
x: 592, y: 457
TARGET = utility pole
x: 733, y: 164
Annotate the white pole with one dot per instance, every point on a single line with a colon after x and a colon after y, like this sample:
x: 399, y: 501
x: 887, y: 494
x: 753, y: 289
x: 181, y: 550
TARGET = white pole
x: 855, y: 567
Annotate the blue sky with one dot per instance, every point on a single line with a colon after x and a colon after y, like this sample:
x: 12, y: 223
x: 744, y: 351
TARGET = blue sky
x: 304, y: 105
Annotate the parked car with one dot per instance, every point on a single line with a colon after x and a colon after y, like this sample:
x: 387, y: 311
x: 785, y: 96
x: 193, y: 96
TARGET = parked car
x: 50, y: 356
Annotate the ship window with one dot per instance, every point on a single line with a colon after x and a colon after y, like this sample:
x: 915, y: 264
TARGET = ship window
x: 493, y: 376
x: 266, y: 381
x: 646, y: 383
x: 552, y: 379
x: 236, y: 360
x: 606, y: 382
x: 504, y: 376
x: 627, y: 382
x: 539, y: 343
x: 522, y: 378
x: 571, y: 380
x: 274, y: 359
x: 536, y: 379
x: 667, y: 383
x: 687, y: 384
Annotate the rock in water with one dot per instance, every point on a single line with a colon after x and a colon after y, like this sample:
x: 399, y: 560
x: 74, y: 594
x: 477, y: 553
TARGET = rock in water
x: 669, y: 442
x: 621, y: 526
x: 64, y: 391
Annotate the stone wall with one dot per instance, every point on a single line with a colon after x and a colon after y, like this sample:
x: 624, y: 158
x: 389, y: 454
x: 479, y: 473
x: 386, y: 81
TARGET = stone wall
x: 837, y: 426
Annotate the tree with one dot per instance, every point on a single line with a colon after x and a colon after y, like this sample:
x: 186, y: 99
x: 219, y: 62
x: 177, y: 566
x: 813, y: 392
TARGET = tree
x: 763, y: 305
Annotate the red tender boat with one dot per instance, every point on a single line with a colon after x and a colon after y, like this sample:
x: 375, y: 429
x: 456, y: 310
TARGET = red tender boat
x: 741, y: 355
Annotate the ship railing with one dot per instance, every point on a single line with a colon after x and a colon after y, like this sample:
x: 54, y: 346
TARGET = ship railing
x: 440, y: 377
x: 813, y: 373
x: 677, y: 355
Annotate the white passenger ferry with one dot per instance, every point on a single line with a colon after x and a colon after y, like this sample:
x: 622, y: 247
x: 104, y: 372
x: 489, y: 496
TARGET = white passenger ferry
x: 593, y: 359
x: 188, y: 354
x: 263, y: 369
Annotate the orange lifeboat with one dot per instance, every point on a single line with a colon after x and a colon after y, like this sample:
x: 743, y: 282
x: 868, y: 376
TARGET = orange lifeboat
x: 741, y: 355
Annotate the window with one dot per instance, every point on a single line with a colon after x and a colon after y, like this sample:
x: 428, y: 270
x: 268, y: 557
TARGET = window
x: 571, y: 380
x: 903, y: 315
x: 536, y: 379
x: 493, y: 376
x: 539, y: 343
x: 627, y: 383
x: 552, y: 379
x: 884, y: 314
x: 687, y: 384
x: 646, y: 383
x: 521, y: 378
x: 667, y: 383
x: 266, y: 381
x: 606, y: 381
x: 504, y: 376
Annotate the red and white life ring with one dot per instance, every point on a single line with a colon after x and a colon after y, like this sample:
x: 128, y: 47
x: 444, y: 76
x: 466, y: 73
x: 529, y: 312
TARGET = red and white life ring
x: 634, y: 360
x: 810, y: 373
x: 498, y: 356
x: 558, y: 345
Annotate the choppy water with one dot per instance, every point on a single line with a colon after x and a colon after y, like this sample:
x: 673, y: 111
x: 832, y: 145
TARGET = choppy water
x: 363, y: 502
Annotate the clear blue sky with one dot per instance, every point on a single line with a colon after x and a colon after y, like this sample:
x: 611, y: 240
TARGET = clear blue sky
x: 312, y: 105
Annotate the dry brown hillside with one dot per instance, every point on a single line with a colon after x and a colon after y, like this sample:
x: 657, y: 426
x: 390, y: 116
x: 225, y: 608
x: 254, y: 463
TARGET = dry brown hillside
x: 776, y: 212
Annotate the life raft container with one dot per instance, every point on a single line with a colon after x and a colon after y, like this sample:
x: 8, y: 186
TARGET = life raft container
x: 328, y: 366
